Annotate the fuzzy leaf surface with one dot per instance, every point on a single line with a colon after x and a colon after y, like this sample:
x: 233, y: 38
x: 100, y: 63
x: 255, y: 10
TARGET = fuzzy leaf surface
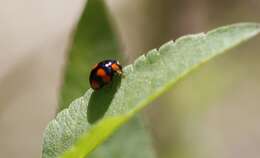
x: 92, y: 118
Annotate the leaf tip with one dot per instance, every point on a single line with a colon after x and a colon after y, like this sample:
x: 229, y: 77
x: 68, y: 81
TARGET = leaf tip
x: 248, y: 27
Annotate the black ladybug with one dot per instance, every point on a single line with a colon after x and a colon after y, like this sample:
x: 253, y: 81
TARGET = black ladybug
x: 103, y: 72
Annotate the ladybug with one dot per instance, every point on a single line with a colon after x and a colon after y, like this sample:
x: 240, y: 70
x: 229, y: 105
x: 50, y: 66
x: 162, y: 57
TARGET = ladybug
x: 103, y: 72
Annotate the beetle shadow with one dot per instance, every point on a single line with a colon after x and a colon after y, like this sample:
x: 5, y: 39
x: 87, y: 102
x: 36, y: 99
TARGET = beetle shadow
x: 100, y: 100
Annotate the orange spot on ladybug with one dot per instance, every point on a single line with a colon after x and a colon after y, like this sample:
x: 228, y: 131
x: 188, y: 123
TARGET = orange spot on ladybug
x: 95, y: 85
x: 106, y: 78
x: 101, y: 72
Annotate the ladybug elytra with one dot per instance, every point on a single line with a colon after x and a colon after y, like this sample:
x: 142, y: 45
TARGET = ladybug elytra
x: 103, y: 72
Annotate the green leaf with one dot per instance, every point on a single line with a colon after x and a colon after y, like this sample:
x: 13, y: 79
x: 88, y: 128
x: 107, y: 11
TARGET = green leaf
x: 94, y: 40
x: 76, y: 131
x: 137, y: 144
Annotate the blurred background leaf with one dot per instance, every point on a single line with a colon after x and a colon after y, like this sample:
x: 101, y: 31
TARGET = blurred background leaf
x: 95, y: 40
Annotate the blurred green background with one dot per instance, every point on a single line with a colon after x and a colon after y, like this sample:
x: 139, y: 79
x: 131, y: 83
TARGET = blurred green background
x: 214, y: 112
